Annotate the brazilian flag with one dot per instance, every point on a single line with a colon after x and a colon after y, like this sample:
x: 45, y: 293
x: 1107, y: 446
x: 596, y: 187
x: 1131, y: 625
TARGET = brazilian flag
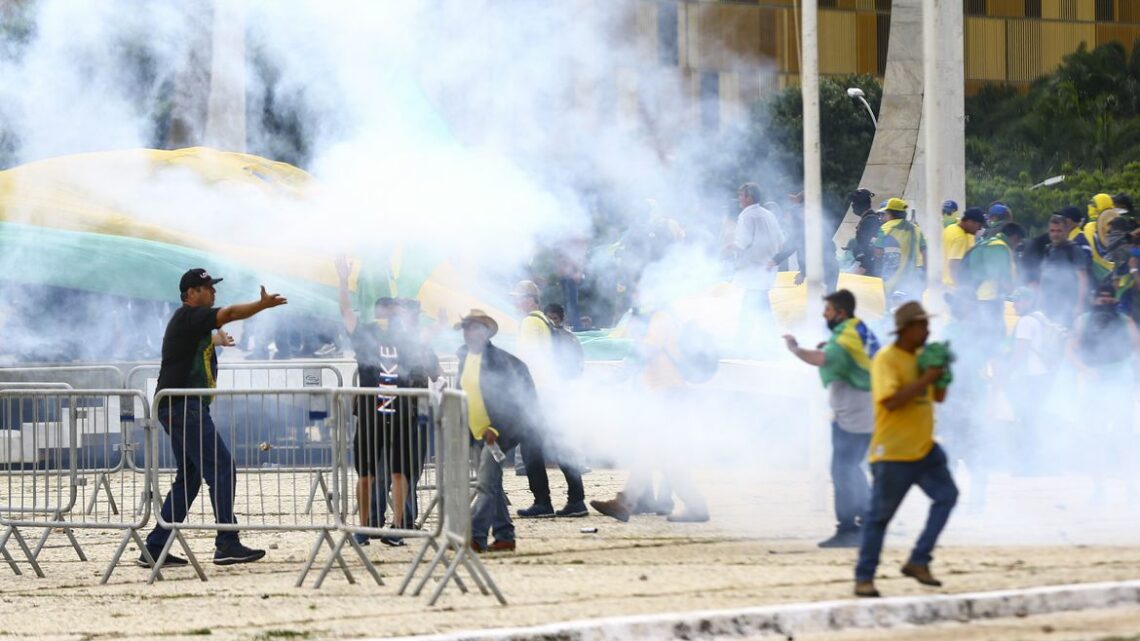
x: 848, y: 354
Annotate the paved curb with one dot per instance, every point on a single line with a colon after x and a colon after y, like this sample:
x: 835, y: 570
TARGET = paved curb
x: 824, y: 616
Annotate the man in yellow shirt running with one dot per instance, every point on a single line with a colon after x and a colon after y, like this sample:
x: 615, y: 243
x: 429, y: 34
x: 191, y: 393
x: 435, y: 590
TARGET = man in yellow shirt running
x: 903, y: 452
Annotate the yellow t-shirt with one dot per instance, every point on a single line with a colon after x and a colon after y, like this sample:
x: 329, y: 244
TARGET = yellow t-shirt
x: 535, y: 347
x: 907, y: 433
x: 477, y: 418
x: 955, y: 243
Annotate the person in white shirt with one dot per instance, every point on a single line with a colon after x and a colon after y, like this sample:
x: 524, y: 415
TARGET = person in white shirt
x: 756, y: 242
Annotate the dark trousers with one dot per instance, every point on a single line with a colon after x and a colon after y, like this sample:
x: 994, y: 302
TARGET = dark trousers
x: 199, y: 453
x: 892, y: 480
x: 852, y: 493
x: 570, y: 300
x: 535, y: 461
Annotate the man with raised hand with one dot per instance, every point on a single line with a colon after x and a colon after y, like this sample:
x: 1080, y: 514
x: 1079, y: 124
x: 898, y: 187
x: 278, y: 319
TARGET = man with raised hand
x: 903, y: 451
x: 845, y: 367
x: 189, y: 360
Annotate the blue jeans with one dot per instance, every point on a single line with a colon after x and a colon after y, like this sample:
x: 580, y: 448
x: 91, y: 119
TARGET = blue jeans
x: 848, y: 451
x: 892, y: 480
x: 490, y: 511
x: 199, y: 453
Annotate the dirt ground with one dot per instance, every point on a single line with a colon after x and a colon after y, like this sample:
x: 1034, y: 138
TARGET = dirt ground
x: 759, y: 549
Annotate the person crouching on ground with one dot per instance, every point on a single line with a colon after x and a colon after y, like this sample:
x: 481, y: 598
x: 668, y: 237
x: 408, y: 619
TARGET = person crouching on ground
x: 903, y: 451
x: 501, y: 408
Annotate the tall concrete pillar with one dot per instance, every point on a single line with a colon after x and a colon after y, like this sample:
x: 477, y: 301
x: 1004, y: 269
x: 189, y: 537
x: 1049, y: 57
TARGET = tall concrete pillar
x: 896, y: 164
x: 225, y: 108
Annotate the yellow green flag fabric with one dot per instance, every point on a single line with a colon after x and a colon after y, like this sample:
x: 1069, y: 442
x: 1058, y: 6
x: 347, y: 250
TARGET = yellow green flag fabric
x: 848, y: 354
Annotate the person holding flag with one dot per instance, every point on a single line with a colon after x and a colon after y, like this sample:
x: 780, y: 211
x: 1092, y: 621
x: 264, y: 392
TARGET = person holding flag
x: 844, y: 364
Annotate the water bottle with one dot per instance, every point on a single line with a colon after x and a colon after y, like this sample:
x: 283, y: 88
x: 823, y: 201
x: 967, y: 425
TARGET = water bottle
x: 496, y: 452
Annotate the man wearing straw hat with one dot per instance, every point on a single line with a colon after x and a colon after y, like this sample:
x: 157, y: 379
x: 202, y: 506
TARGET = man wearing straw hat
x: 502, y: 409
x: 903, y: 452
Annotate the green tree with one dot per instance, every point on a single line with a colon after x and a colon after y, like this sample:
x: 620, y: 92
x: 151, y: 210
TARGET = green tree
x: 775, y: 139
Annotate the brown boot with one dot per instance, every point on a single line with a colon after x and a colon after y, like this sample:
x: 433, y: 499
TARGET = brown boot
x: 921, y: 573
x: 617, y: 508
x: 866, y: 589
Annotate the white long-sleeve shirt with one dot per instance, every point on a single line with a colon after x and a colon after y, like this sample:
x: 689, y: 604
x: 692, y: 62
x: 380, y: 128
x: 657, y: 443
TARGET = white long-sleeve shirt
x: 757, y: 240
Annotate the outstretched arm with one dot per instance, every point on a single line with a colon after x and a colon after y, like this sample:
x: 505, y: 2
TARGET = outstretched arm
x: 346, y: 313
x: 243, y: 311
x: 810, y: 356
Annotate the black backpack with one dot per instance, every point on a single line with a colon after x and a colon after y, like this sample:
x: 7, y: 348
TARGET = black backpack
x: 569, y: 359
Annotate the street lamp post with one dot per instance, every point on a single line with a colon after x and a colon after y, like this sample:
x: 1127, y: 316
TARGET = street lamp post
x: 856, y: 93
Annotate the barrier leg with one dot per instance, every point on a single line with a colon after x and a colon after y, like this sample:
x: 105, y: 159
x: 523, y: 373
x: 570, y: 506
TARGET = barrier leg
x: 481, y: 570
x: 335, y: 557
x: 368, y: 564
x: 321, y: 538
x: 448, y: 574
x: 127, y: 536
x: 102, y: 483
x: 13, y: 532
x: 439, y: 554
x: 58, y: 516
x: 318, y: 484
x: 416, y: 562
x: 10, y: 561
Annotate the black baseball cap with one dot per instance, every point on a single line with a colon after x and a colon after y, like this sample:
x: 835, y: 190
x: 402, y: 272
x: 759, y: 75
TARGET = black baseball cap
x: 862, y: 195
x: 1072, y: 213
x: 974, y: 214
x: 196, y: 277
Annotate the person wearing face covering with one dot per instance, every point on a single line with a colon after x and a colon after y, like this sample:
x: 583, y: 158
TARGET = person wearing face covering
x: 1103, y: 346
x: 844, y: 364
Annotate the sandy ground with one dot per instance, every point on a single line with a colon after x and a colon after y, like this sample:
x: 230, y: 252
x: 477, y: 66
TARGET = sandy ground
x: 758, y: 550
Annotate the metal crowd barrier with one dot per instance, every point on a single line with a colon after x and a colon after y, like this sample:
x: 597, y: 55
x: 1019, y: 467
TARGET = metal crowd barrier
x: 385, y: 448
x: 241, y: 421
x: 455, y: 501
x: 77, y: 376
x: 401, y: 439
x: 58, y: 441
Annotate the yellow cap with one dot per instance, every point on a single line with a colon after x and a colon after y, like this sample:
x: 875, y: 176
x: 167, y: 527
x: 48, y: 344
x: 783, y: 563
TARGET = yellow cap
x: 896, y: 204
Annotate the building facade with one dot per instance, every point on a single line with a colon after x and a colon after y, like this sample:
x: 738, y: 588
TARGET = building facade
x: 735, y: 52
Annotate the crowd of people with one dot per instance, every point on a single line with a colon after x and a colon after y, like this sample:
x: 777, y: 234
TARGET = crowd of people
x: 1074, y: 292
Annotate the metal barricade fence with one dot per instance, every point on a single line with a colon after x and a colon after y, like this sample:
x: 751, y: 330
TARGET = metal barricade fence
x: 284, y: 448
x: 455, y: 509
x: 77, y: 376
x: 58, y: 442
x: 385, y: 442
x: 230, y: 437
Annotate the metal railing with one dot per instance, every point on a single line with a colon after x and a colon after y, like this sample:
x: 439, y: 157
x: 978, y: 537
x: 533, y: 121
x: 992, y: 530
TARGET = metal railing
x: 55, y: 458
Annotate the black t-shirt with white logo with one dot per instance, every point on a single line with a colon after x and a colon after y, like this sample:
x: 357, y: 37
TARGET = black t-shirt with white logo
x: 188, y: 356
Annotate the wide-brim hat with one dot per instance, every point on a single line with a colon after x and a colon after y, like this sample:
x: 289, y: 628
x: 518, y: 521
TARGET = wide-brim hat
x: 481, y: 317
x: 909, y: 312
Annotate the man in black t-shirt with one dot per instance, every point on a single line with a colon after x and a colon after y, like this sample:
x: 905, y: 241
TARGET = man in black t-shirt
x: 388, y: 439
x: 189, y: 361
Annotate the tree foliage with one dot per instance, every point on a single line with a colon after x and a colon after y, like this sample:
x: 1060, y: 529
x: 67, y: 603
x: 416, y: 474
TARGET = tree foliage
x: 776, y: 137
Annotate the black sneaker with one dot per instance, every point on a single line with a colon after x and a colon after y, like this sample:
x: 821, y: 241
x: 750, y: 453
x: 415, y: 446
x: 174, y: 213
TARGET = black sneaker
x: 393, y: 541
x: 171, y: 560
x: 575, y: 509
x: 235, y: 553
x: 537, y: 511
